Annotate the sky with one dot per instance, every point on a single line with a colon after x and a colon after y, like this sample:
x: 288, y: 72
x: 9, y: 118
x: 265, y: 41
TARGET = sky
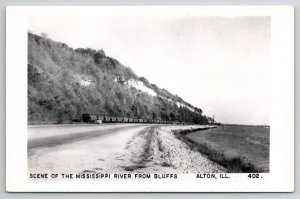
x: 219, y: 64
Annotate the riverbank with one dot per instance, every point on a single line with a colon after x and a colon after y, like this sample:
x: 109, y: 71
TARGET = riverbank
x: 240, y: 149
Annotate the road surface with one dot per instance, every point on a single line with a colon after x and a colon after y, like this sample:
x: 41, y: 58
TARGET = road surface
x: 113, y: 148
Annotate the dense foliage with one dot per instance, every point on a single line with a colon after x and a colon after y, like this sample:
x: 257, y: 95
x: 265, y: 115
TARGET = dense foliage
x: 64, y: 83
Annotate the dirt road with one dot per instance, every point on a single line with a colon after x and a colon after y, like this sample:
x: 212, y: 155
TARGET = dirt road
x: 119, y: 148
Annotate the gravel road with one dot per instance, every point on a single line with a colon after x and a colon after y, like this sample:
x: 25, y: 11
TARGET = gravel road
x: 113, y: 148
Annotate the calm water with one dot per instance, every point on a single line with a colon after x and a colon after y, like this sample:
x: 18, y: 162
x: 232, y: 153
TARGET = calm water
x: 250, y: 142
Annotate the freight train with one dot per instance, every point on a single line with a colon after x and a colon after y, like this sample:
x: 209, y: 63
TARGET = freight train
x: 94, y: 118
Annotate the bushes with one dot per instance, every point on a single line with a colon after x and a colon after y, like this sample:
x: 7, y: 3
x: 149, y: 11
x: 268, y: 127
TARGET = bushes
x: 56, y: 92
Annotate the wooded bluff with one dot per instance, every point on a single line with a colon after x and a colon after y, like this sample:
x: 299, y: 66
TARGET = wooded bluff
x: 64, y: 83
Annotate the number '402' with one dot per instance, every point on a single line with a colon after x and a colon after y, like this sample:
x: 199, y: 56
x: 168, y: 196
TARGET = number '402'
x: 253, y: 175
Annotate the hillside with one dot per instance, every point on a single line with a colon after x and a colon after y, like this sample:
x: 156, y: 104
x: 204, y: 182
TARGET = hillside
x: 64, y: 83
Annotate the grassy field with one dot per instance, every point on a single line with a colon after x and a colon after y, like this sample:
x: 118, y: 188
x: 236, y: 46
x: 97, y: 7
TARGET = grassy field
x: 238, y: 148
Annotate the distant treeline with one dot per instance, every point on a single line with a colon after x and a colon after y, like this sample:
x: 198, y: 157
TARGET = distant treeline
x: 64, y: 83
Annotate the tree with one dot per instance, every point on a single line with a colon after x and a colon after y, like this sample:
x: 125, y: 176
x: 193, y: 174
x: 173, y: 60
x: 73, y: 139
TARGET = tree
x: 56, y: 93
x: 44, y: 35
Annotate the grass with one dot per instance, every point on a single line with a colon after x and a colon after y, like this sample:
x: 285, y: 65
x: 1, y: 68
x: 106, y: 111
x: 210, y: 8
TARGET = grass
x: 133, y: 167
x: 238, y: 149
x: 146, y: 150
x: 165, y: 164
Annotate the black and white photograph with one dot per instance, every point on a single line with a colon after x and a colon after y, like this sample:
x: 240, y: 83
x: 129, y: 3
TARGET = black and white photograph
x: 149, y: 95
x: 138, y: 93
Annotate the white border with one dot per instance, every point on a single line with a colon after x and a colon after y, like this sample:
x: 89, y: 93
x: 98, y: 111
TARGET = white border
x: 281, y: 176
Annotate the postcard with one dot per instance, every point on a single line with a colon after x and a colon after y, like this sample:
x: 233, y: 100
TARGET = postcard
x: 150, y: 99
